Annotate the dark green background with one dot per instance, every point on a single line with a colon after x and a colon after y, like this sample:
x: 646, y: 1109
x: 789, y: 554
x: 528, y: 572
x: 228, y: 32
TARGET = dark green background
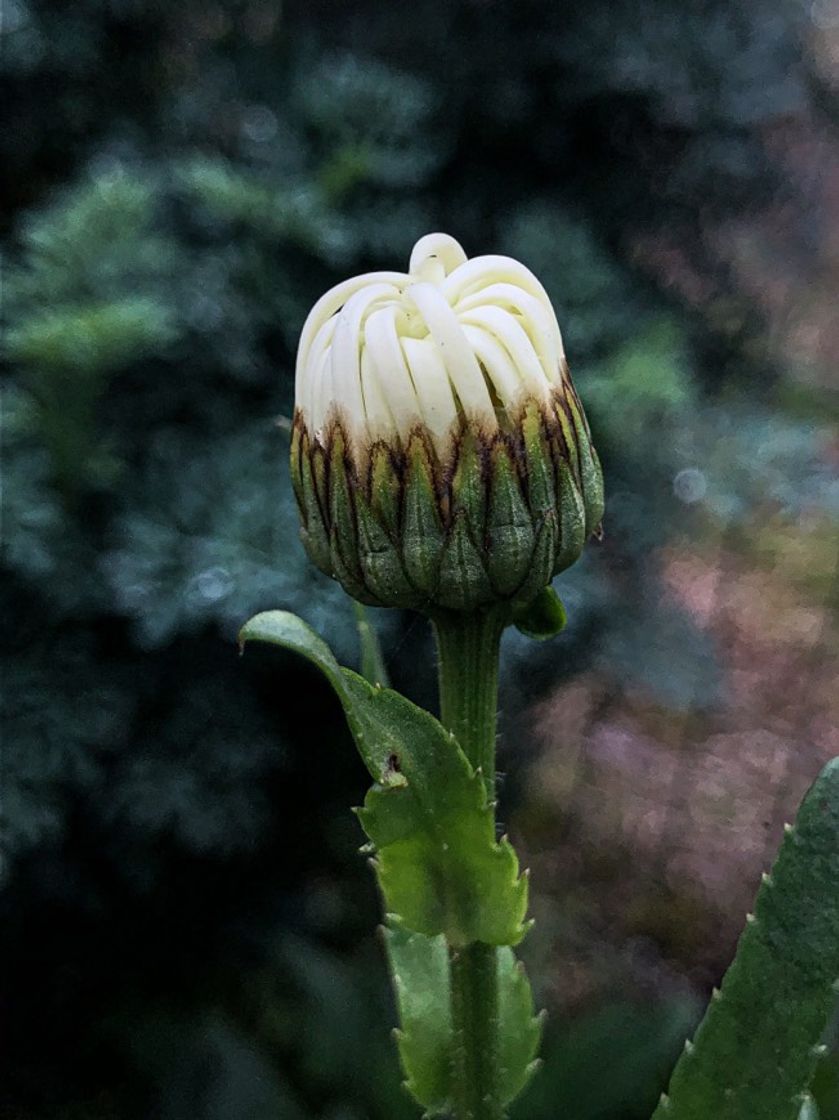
x: 187, y: 925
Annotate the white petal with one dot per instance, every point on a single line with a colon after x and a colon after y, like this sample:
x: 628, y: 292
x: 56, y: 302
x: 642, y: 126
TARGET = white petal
x: 492, y: 269
x: 536, y: 317
x: 323, y: 395
x: 461, y: 364
x: 332, y: 302
x: 346, y: 352
x: 437, y: 246
x: 380, y: 422
x: 433, y: 387
x: 312, y: 372
x: 496, y: 361
x: 382, y: 343
x: 513, y: 337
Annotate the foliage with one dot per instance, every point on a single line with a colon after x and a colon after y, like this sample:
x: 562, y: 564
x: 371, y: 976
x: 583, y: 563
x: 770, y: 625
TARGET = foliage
x: 430, y: 826
x: 419, y: 966
x: 756, y: 1051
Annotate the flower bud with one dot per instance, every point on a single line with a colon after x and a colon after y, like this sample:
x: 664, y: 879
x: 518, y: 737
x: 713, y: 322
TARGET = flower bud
x: 440, y: 454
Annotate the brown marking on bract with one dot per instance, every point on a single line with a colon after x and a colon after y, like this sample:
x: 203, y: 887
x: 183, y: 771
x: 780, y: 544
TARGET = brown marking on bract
x: 298, y: 440
x: 395, y: 456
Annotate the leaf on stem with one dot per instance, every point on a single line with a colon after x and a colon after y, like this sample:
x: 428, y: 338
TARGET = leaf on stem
x: 756, y: 1050
x: 439, y: 865
x: 544, y: 617
x: 420, y: 969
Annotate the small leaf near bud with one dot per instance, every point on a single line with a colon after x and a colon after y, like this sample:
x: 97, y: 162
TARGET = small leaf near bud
x: 544, y: 617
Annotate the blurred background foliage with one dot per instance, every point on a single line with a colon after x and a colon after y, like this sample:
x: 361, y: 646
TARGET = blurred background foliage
x: 186, y: 922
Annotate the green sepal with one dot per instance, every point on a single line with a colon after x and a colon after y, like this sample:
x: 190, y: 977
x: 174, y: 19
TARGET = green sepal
x: 543, y: 617
x: 312, y: 530
x: 572, y: 520
x: 381, y: 566
x: 385, y: 487
x: 541, y: 493
x: 594, y: 496
x: 343, y: 540
x: 540, y: 570
x: 320, y: 474
x: 566, y: 448
x: 756, y: 1050
x: 591, y: 473
x: 439, y: 865
x: 422, y: 530
x: 420, y: 969
x: 464, y: 582
x: 298, y: 448
x: 509, y: 525
x: 468, y: 487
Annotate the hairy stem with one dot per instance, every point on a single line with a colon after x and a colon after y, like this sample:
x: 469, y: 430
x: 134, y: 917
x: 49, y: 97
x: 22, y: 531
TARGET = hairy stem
x: 467, y: 646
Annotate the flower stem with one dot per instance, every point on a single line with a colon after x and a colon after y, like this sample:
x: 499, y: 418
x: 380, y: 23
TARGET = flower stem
x: 467, y: 646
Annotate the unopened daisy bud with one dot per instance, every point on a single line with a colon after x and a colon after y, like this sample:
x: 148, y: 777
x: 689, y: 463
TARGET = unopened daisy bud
x: 440, y: 455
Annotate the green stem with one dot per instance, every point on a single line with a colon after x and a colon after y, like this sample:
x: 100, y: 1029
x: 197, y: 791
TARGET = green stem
x: 467, y: 647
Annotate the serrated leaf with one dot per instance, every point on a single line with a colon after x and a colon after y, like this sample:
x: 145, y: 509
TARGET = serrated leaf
x: 420, y: 969
x: 520, y: 1031
x: 756, y: 1049
x: 439, y: 865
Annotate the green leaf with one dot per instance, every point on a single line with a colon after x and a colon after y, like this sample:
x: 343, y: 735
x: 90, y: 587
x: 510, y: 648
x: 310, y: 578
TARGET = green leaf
x: 420, y: 969
x: 544, y: 617
x: 756, y: 1049
x: 439, y: 865
x: 520, y: 1031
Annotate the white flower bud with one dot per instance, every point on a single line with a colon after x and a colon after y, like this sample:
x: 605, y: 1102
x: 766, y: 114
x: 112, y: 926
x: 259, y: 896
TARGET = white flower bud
x: 440, y: 455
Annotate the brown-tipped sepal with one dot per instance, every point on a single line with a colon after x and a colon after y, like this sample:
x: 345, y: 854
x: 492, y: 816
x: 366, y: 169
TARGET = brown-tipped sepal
x: 463, y: 583
x: 538, y: 462
x: 510, y: 529
x: 572, y: 519
x: 489, y: 518
x: 382, y: 570
x: 313, y: 530
x: 591, y: 474
x: 343, y: 535
x: 422, y: 537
